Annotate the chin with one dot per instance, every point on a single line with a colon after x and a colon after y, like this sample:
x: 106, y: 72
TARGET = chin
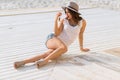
x: 68, y: 18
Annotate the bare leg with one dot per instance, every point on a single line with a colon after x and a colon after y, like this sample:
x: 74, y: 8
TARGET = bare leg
x: 33, y: 59
x: 55, y: 54
x: 56, y: 48
x: 60, y: 49
x: 38, y: 57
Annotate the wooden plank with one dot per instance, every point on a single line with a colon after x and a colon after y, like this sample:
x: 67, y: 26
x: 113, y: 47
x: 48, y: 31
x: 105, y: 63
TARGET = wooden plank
x: 27, y: 36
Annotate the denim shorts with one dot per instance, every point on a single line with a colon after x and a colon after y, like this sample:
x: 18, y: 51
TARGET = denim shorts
x: 50, y: 36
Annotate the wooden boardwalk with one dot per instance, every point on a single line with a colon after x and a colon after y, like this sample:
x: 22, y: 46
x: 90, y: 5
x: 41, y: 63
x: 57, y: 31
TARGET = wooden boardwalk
x: 23, y: 36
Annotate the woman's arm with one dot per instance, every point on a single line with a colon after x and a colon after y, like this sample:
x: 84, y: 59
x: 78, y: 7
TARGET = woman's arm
x: 58, y: 27
x: 81, y: 36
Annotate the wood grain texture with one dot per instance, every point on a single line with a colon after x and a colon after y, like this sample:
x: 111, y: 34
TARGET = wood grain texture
x: 23, y: 36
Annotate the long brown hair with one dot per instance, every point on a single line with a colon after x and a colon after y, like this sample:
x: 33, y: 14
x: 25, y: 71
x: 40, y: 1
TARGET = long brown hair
x: 76, y: 16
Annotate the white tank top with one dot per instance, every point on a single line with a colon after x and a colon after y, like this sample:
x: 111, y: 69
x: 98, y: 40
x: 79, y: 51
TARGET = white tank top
x: 69, y: 33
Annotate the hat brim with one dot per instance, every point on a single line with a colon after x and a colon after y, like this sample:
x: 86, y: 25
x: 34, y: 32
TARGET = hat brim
x: 63, y: 7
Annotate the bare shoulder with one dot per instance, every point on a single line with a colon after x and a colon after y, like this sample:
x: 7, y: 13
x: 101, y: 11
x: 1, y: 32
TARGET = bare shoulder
x: 83, y: 21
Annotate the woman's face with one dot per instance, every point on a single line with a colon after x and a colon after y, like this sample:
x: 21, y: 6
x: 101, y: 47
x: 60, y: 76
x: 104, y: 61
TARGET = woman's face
x: 68, y: 15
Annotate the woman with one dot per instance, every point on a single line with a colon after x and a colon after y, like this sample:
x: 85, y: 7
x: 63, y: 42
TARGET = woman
x: 64, y: 34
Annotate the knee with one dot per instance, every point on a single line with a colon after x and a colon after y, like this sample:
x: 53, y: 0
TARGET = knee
x: 63, y: 48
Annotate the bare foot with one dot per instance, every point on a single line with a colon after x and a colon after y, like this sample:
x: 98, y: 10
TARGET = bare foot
x: 85, y: 49
x: 18, y: 64
x: 41, y: 63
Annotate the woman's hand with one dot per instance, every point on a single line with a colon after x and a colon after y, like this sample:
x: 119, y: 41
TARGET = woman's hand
x: 58, y: 15
x: 85, y: 49
x: 58, y: 24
